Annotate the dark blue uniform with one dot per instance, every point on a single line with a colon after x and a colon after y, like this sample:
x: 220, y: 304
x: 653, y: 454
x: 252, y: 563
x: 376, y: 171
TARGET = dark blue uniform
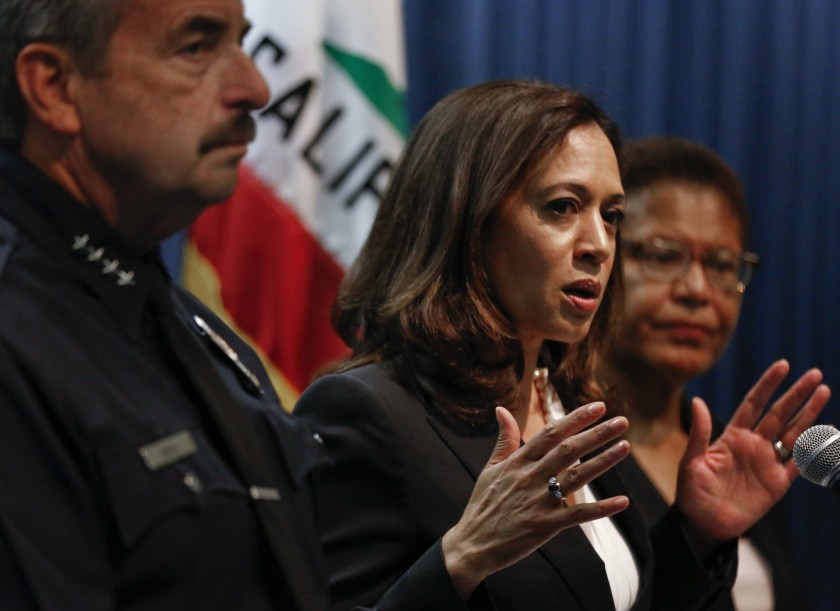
x: 116, y: 488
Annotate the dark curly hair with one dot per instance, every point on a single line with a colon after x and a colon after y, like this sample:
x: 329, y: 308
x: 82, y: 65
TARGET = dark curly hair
x: 651, y: 161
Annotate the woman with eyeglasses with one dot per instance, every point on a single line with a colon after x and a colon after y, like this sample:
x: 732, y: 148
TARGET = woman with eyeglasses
x: 685, y: 271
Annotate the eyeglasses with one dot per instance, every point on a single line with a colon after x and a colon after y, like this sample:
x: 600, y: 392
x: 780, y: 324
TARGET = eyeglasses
x: 668, y: 260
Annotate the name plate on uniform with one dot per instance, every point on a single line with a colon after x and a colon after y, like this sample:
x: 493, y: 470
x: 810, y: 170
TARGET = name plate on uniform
x: 168, y: 450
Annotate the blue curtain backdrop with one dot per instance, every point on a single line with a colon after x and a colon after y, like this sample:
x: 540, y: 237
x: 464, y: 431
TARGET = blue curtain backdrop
x: 758, y: 81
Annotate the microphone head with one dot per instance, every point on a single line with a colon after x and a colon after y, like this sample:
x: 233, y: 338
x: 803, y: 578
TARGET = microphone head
x: 816, y: 453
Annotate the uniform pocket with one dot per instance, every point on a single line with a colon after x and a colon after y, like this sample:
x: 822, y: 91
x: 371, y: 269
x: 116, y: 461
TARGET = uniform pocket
x: 140, y: 496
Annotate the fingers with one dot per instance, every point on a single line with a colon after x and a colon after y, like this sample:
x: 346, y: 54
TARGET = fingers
x: 559, y: 447
x: 512, y: 511
x: 806, y: 416
x: 789, y: 404
x: 753, y: 404
x: 566, y: 427
x: 577, y: 514
x: 700, y: 432
x: 509, y: 436
x: 575, y: 477
x: 572, y: 448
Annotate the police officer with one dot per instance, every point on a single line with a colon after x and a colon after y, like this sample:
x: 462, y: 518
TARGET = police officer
x: 146, y: 462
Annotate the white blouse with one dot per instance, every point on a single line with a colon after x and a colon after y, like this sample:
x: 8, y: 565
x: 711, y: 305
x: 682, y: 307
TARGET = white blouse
x: 603, y: 535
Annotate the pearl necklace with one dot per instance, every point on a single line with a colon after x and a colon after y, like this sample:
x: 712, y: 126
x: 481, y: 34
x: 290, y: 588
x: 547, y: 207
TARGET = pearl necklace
x: 549, y: 399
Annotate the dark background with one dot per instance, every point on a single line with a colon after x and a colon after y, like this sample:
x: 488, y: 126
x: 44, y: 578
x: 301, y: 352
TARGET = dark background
x: 756, y: 81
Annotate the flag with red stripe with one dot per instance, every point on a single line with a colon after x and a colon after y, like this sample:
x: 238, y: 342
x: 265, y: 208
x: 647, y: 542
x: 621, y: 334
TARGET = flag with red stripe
x: 271, y: 258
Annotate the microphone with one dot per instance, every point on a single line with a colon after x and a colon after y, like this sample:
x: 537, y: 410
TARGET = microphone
x: 816, y: 454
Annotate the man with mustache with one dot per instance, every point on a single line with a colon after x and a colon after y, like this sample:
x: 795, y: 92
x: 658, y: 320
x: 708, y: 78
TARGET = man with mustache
x: 146, y: 462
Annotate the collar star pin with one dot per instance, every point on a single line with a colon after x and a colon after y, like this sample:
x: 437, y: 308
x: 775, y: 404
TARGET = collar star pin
x: 110, y: 267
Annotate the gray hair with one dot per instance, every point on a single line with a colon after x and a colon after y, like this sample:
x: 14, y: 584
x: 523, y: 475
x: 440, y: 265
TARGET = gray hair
x: 82, y: 27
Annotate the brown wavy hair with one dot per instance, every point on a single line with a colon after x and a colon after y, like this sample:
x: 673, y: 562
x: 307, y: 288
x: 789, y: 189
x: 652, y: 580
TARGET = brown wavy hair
x: 419, y: 296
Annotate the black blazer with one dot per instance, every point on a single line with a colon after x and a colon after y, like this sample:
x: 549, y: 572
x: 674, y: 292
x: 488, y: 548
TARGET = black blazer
x: 403, y: 476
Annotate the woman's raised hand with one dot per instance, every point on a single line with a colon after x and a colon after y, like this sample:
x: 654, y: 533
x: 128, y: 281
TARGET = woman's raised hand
x: 724, y: 488
x: 512, y: 512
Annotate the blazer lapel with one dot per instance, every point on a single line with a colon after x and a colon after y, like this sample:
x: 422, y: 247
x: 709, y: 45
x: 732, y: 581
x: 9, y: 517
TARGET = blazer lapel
x: 472, y: 448
x: 570, y: 553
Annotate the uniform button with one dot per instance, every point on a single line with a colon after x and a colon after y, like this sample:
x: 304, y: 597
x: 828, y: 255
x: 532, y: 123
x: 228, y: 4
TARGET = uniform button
x: 192, y: 481
x: 317, y: 437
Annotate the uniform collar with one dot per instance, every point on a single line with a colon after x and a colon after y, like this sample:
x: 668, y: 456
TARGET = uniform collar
x: 79, y: 240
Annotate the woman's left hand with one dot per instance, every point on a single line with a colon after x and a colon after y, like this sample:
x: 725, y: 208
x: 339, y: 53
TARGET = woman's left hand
x: 726, y: 487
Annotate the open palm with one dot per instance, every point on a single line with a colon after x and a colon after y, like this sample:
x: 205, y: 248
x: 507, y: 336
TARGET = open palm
x: 725, y: 487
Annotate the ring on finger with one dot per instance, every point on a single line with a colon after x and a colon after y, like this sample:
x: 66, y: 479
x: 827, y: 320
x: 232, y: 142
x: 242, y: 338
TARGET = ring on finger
x: 554, y: 489
x: 781, y: 450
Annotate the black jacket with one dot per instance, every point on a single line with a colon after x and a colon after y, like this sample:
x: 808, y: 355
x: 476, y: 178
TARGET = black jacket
x: 403, y: 476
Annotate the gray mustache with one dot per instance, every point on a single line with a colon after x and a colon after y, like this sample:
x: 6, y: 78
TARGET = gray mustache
x: 242, y: 129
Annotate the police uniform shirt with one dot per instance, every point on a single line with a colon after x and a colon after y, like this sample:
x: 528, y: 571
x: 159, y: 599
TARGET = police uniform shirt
x: 115, y: 491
